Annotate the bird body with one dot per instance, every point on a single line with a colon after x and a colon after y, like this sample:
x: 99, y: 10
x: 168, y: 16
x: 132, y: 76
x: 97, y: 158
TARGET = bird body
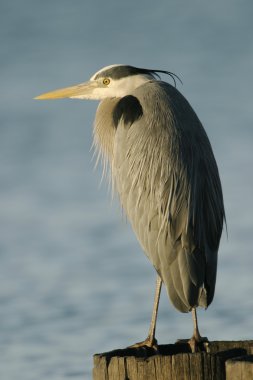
x: 162, y: 168
x: 164, y: 171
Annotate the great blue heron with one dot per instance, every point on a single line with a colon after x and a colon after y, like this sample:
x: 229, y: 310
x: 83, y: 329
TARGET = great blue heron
x: 165, y: 173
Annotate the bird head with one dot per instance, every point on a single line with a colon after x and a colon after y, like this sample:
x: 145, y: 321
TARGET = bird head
x: 109, y: 82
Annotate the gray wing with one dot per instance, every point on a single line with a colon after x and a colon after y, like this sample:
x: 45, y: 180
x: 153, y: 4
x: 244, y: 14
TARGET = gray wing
x: 168, y: 182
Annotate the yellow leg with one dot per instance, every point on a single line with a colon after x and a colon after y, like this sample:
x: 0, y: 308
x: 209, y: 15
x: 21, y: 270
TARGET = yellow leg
x: 196, y: 339
x: 151, y: 341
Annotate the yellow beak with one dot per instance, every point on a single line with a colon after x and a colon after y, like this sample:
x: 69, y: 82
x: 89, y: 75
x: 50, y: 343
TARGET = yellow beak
x: 79, y: 91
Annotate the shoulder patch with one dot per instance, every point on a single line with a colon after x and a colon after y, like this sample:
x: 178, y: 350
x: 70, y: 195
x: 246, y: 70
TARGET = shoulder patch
x: 129, y: 109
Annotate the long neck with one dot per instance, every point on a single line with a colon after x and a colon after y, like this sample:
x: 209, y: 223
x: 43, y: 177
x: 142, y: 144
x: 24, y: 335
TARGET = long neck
x: 104, y: 129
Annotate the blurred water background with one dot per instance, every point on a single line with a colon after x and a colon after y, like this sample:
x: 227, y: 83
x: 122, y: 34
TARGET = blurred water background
x: 73, y: 279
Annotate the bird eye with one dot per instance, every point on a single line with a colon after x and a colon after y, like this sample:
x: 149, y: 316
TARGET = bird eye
x: 106, y: 81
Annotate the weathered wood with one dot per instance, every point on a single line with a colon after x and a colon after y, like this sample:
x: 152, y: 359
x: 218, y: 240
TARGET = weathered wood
x: 240, y: 368
x: 176, y: 362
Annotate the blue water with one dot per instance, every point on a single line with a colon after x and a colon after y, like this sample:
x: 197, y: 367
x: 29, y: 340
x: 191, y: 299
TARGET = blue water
x: 73, y: 279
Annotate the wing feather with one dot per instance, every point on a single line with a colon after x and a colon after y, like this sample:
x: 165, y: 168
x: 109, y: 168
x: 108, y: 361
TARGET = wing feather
x: 169, y: 186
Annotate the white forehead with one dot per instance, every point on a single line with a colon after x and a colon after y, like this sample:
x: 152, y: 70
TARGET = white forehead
x: 104, y: 69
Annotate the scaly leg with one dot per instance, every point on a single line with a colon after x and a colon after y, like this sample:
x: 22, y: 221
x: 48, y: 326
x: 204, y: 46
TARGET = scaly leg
x: 196, y: 339
x: 151, y: 340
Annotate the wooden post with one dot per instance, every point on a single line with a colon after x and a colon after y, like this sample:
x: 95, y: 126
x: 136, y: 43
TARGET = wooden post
x: 240, y: 368
x: 175, y: 362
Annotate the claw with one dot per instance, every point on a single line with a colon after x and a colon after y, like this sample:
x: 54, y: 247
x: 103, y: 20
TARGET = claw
x: 195, y: 343
x: 149, y: 342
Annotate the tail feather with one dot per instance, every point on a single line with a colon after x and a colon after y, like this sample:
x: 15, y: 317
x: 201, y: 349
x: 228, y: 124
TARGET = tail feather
x: 185, y: 281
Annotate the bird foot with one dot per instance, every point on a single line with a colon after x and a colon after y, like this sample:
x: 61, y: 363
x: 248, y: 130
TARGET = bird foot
x: 149, y: 342
x: 196, y: 343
